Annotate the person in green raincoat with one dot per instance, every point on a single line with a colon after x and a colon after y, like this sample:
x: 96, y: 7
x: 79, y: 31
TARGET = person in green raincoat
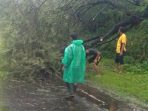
x: 74, y: 63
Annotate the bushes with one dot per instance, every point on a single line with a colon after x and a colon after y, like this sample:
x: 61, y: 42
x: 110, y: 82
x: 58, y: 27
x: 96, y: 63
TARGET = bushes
x: 137, y: 42
x: 129, y: 60
x: 137, y: 48
x: 137, y: 68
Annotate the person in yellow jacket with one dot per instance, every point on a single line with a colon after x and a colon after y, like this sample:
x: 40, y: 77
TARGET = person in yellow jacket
x: 120, y: 49
x: 74, y: 63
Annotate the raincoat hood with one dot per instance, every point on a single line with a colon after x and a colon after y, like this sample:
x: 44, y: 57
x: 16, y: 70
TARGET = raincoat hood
x: 77, y: 42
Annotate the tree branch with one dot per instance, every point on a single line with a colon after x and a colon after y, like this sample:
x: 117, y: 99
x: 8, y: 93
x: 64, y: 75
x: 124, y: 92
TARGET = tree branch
x: 41, y: 4
x: 135, y: 2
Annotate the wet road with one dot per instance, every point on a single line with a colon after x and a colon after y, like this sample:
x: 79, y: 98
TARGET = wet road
x: 23, y: 96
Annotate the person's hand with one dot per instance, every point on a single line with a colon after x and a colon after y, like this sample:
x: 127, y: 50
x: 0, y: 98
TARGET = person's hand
x: 121, y: 53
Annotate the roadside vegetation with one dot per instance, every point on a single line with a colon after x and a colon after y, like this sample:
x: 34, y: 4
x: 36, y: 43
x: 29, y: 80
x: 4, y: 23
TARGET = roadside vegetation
x: 131, y: 84
x: 33, y: 33
x: 133, y: 81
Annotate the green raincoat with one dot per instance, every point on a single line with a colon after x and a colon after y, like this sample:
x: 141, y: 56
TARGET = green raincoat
x: 74, y: 62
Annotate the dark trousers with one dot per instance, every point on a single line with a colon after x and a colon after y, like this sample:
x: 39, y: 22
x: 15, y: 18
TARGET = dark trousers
x: 71, y: 88
x: 119, y: 58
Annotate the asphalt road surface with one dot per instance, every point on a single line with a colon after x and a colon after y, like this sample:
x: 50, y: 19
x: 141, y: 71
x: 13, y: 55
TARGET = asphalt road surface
x: 23, y: 96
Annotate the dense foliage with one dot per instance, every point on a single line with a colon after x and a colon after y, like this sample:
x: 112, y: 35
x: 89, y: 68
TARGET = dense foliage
x: 32, y: 32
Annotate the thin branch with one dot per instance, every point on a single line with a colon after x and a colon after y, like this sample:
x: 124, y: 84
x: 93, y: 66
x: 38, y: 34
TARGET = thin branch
x: 134, y: 2
x: 128, y: 23
x: 99, y: 13
x: 41, y: 4
x: 92, y: 4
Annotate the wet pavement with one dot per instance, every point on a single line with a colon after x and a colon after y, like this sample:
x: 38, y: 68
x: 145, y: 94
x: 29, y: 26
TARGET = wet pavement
x: 23, y: 96
x: 49, y: 96
x: 109, y: 102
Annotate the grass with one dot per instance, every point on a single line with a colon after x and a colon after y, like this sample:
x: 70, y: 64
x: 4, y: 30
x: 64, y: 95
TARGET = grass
x: 1, y: 91
x: 126, y: 84
x: 3, y: 106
